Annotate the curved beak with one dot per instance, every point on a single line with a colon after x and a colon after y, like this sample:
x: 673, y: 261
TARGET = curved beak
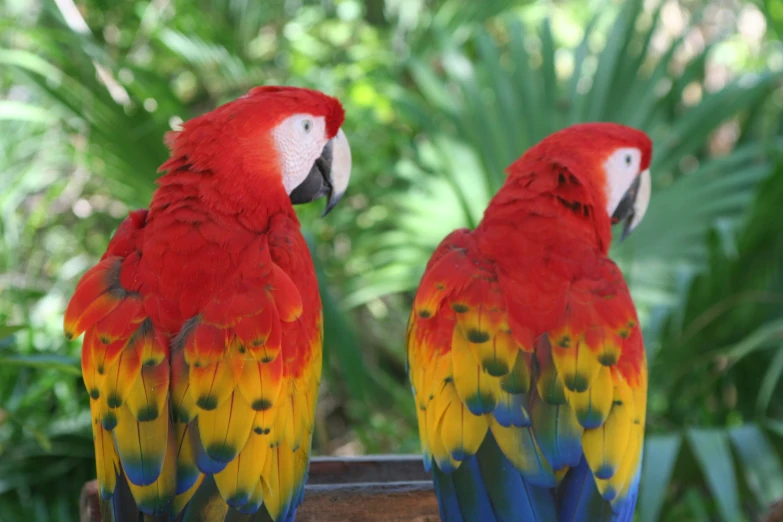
x: 329, y: 176
x: 633, y: 205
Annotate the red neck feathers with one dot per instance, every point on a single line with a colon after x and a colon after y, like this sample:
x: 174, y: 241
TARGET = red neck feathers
x: 545, y: 209
x: 250, y: 203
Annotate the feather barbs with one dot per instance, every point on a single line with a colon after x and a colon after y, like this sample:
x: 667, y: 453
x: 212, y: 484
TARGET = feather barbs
x: 575, y: 387
x: 240, y: 381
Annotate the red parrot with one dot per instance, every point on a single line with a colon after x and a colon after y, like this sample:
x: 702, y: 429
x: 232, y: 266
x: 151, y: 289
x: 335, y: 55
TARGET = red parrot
x: 524, y: 349
x: 202, y: 321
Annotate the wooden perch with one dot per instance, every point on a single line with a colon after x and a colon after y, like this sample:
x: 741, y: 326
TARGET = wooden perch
x: 384, y: 488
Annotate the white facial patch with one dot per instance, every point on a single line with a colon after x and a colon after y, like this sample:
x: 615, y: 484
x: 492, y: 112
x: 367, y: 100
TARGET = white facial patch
x: 621, y: 169
x: 300, y: 139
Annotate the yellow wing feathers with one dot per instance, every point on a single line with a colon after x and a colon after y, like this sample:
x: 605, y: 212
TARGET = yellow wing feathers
x: 232, y: 395
x: 579, y: 388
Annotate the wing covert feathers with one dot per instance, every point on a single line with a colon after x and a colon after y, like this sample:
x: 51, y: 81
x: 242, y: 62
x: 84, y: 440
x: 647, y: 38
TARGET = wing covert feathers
x: 229, y: 398
x: 557, y: 382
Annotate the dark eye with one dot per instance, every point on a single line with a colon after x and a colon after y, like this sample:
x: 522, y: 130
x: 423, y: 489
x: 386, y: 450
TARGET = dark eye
x: 628, y: 159
x: 307, y: 124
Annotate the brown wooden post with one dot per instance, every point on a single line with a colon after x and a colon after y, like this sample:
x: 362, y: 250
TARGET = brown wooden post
x: 383, y: 488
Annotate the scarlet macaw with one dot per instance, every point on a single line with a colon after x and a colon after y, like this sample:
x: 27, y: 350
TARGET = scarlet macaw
x: 525, y: 353
x: 202, y: 321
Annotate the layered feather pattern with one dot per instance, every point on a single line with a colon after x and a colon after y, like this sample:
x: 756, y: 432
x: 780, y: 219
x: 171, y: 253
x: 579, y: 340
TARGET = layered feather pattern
x: 218, y: 410
x: 527, y: 365
x: 202, y: 322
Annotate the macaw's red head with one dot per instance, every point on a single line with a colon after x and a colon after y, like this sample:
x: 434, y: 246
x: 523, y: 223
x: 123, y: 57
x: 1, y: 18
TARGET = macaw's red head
x: 612, y: 160
x: 271, y: 139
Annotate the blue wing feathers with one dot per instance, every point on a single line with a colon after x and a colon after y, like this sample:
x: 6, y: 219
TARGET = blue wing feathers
x: 513, y: 498
x: 447, y: 497
x: 488, y: 488
x: 579, y: 499
x: 472, y: 492
x: 624, y: 511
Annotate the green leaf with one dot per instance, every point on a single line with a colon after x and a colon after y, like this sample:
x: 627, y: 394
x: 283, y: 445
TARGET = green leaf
x: 6, y: 330
x: 340, y: 342
x: 766, y: 335
x: 770, y: 382
x: 660, y: 456
x: 610, y: 63
x: 62, y: 363
x: 14, y: 110
x: 28, y: 61
x: 761, y: 465
x: 713, y: 453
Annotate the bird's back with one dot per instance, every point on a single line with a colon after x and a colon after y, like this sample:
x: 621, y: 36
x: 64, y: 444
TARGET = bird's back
x: 527, y: 365
x: 202, y: 356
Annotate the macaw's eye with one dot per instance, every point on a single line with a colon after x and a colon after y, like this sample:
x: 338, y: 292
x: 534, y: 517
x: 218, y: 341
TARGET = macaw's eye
x: 307, y: 125
x: 628, y: 159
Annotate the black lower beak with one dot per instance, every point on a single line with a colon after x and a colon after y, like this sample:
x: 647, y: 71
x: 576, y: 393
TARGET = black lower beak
x: 625, y: 209
x: 318, y: 182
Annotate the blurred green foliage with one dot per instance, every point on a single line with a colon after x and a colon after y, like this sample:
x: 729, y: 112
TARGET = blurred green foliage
x: 440, y: 96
